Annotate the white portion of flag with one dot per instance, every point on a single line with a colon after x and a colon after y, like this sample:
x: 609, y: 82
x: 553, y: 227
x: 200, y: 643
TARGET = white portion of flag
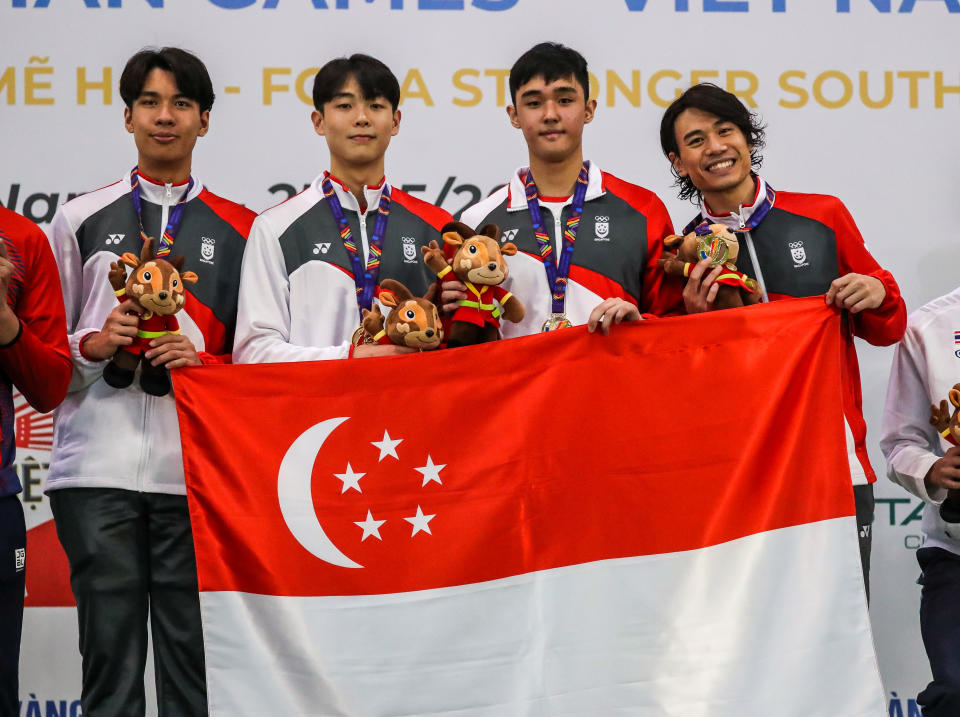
x: 773, y: 624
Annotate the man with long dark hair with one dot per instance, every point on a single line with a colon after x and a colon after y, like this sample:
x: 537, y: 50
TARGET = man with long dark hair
x: 797, y: 245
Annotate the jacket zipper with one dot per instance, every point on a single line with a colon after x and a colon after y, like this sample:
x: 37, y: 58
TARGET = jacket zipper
x: 145, y: 442
x: 164, y: 211
x: 558, y: 234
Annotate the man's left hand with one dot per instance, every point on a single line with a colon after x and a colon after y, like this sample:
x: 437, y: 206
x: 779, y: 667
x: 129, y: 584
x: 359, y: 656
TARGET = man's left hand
x: 611, y: 311
x: 856, y: 293
x: 172, y: 351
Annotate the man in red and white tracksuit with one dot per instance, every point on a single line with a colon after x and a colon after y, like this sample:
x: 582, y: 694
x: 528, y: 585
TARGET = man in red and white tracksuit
x: 116, y: 482
x: 795, y: 245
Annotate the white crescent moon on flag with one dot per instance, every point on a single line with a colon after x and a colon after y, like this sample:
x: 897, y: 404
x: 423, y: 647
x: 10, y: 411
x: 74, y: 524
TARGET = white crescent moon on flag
x: 296, y: 498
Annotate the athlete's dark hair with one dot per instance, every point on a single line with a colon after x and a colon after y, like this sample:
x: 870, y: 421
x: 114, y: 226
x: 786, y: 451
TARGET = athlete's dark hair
x: 552, y: 61
x: 707, y: 97
x: 375, y: 80
x: 188, y: 72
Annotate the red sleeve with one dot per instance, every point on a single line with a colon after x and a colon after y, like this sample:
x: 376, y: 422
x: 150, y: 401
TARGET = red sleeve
x: 208, y: 358
x: 38, y: 361
x: 886, y: 324
x: 660, y: 295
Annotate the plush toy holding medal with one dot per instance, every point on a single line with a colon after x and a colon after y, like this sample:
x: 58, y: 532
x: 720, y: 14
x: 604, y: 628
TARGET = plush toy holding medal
x: 720, y: 245
x: 948, y: 426
x: 413, y: 321
x: 480, y: 266
x: 156, y: 285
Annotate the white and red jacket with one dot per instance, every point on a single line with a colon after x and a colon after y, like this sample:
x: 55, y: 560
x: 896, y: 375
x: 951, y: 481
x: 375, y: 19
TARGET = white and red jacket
x: 124, y: 438
x: 926, y: 365
x: 619, y: 240
x: 801, y: 245
x: 298, y: 298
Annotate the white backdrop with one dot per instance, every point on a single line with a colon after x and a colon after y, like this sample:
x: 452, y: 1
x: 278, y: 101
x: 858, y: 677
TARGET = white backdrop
x: 861, y: 99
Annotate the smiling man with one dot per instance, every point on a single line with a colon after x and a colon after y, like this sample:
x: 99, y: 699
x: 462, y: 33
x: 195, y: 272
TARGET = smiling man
x: 588, y: 242
x: 315, y: 261
x: 116, y: 475
x: 797, y: 245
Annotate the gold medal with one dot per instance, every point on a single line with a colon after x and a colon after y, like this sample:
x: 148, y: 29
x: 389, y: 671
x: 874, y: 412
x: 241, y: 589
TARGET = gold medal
x: 556, y: 321
x: 361, y: 337
x: 714, y: 248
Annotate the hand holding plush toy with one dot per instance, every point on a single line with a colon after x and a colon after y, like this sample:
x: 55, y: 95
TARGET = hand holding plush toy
x: 948, y: 426
x: 413, y: 321
x: 480, y: 266
x: 156, y: 285
x: 720, y: 245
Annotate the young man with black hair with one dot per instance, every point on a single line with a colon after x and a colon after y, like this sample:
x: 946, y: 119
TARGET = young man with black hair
x: 588, y: 242
x: 314, y: 261
x: 116, y: 481
x: 796, y: 245
x: 34, y: 359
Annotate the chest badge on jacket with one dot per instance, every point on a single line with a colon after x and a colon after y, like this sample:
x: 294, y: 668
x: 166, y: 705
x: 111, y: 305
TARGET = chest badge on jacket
x: 798, y: 254
x: 601, y: 228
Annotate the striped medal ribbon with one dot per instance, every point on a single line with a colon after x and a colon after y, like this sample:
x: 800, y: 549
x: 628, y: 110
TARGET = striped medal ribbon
x: 364, y: 276
x: 557, y: 272
x: 173, y: 218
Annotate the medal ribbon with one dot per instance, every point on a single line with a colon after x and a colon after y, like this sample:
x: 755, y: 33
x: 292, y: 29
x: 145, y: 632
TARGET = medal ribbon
x: 365, y: 277
x: 557, y: 273
x: 173, y: 218
x: 701, y: 225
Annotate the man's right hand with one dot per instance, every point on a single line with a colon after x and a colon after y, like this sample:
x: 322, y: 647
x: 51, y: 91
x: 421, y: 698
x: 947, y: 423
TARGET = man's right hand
x: 374, y: 350
x: 945, y: 473
x: 120, y: 329
x: 701, y: 289
x: 453, y: 292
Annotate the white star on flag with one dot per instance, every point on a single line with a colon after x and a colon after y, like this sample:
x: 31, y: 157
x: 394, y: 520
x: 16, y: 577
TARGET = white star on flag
x: 420, y: 522
x: 388, y: 446
x: 350, y: 479
x: 431, y: 471
x: 370, y: 527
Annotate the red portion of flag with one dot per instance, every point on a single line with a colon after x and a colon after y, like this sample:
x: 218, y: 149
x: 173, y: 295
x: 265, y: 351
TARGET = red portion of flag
x: 529, y: 454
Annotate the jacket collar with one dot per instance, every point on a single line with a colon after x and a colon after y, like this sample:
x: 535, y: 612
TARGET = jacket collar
x: 517, y: 195
x: 734, y: 220
x: 156, y: 192
x: 347, y: 200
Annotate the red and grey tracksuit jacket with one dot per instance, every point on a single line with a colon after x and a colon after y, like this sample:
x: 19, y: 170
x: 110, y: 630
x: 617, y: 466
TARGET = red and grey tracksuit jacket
x: 619, y: 240
x: 802, y: 244
x: 298, y: 299
x: 110, y: 438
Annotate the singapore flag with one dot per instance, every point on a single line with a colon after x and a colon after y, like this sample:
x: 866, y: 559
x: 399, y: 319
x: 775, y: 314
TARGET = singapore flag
x: 658, y: 522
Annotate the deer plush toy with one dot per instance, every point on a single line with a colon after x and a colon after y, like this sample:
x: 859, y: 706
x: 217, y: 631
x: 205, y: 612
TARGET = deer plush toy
x: 479, y: 264
x: 947, y: 424
x: 156, y: 285
x: 720, y: 245
x: 412, y: 321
